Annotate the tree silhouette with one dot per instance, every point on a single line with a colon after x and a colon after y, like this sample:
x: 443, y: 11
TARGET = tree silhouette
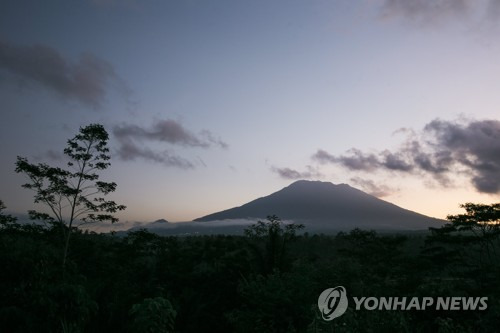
x: 5, y: 219
x: 153, y: 315
x: 478, y: 218
x: 482, y: 225
x: 470, y: 243
x: 276, y: 236
x: 73, y: 196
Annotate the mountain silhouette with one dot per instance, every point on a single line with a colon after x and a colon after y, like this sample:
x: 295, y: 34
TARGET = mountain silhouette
x: 161, y: 221
x: 323, y: 205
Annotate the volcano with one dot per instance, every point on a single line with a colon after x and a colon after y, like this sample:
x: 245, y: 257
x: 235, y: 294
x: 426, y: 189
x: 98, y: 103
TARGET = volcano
x: 323, y: 205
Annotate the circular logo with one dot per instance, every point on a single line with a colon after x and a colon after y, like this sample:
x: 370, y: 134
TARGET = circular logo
x: 332, y: 303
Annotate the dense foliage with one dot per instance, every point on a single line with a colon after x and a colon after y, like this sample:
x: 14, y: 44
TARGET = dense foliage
x: 142, y: 282
x: 266, y: 281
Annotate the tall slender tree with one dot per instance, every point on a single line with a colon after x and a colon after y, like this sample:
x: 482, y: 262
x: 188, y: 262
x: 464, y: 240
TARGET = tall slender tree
x: 74, y: 196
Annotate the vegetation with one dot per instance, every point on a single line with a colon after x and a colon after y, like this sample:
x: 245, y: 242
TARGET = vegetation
x: 143, y: 282
x: 266, y: 281
x: 72, y: 195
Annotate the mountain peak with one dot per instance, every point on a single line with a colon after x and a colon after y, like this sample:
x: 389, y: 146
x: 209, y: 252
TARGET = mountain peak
x: 323, y: 203
x: 161, y: 221
x: 303, y: 183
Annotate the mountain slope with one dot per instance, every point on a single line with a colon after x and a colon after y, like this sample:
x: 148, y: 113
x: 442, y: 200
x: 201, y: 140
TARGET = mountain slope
x: 325, y: 205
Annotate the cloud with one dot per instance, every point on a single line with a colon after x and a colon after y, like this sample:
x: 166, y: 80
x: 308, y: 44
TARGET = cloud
x: 443, y: 150
x: 208, y: 137
x: 169, y: 131
x: 357, y: 160
x: 428, y: 11
x: 433, y: 12
x: 475, y: 146
x: 132, y: 140
x: 396, y: 161
x: 370, y: 187
x: 129, y: 151
x: 288, y: 173
x: 86, y: 80
x: 324, y: 157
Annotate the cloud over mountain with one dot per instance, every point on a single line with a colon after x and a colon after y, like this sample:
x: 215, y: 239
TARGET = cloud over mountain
x: 443, y: 150
x: 288, y: 173
x: 372, y: 188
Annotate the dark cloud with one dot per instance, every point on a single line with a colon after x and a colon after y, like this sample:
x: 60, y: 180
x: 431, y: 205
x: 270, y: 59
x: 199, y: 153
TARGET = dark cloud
x: 132, y: 140
x: 426, y: 11
x: 395, y: 161
x: 475, y: 146
x: 86, y: 80
x: 323, y: 157
x: 434, y: 12
x: 357, y: 160
x: 288, y: 173
x: 169, y: 131
x: 370, y: 187
x: 129, y: 151
x: 444, y: 150
x: 163, y: 131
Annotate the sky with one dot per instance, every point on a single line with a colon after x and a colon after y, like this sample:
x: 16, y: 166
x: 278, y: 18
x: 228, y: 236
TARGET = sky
x: 211, y: 104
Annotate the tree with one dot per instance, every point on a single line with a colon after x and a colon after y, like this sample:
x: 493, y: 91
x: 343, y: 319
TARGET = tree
x: 468, y: 247
x: 153, y: 315
x: 481, y: 224
x: 5, y: 219
x: 481, y: 218
x: 276, y: 235
x: 73, y: 196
